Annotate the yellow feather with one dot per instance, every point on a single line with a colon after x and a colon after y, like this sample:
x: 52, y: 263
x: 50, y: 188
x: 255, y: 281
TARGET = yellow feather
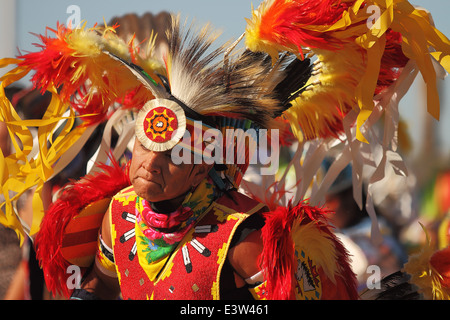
x: 419, y: 35
x: 317, y: 244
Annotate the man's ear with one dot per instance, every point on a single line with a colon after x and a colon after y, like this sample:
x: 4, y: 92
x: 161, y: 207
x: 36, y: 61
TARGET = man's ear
x: 200, y: 172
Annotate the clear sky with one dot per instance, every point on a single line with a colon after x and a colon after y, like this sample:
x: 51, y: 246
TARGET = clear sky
x: 229, y: 16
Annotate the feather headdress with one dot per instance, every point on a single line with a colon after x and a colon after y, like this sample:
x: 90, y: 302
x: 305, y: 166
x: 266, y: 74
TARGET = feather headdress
x: 94, y: 75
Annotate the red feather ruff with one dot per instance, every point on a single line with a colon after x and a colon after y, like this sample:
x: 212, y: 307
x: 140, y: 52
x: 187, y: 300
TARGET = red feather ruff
x: 278, y: 257
x: 73, y: 199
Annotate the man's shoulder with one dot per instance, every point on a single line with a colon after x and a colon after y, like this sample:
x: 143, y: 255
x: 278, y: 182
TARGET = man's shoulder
x: 125, y: 193
x: 122, y: 199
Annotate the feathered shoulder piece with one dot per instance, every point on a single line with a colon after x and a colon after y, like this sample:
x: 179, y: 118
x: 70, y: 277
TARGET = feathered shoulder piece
x: 209, y: 81
x: 302, y: 258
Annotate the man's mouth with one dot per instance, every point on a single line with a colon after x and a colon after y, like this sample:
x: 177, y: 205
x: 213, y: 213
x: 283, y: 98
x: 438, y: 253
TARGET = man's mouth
x: 148, y: 180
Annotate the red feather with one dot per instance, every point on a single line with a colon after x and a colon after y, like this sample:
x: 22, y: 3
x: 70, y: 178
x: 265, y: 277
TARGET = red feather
x: 53, y: 63
x: 92, y: 111
x: 72, y: 62
x: 277, y: 258
x: 75, y: 196
x: 286, y: 136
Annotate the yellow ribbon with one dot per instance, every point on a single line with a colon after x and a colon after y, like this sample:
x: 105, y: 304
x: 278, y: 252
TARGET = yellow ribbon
x: 21, y: 171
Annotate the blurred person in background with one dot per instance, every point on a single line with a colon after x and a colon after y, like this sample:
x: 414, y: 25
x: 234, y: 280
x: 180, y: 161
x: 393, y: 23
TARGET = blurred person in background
x: 354, y: 224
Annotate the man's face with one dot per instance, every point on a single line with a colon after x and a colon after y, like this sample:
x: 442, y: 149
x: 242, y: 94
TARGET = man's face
x: 156, y: 178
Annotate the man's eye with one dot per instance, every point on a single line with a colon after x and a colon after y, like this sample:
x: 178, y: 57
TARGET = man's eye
x: 143, y: 147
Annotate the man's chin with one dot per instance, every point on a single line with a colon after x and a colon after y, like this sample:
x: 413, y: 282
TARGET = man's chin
x: 150, y: 194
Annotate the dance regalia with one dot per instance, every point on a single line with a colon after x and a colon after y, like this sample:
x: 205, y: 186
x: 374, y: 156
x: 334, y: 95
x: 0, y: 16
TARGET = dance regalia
x: 194, y: 270
x: 315, y: 70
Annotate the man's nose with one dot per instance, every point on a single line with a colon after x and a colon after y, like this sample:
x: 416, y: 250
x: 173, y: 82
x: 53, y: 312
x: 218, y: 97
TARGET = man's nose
x: 152, y: 162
